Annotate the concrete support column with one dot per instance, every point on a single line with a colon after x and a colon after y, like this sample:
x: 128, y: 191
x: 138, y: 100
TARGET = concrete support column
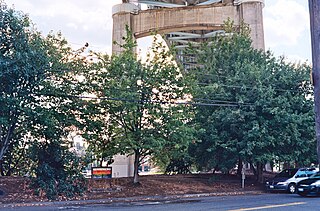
x: 121, y: 14
x: 251, y: 13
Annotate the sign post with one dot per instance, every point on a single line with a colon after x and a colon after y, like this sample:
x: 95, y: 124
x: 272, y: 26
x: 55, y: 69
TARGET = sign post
x: 243, y: 177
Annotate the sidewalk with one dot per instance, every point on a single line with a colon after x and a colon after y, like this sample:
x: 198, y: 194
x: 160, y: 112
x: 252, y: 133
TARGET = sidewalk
x: 140, y: 199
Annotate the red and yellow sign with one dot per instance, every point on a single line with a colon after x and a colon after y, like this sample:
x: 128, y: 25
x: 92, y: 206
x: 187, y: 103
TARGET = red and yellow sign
x: 101, y: 172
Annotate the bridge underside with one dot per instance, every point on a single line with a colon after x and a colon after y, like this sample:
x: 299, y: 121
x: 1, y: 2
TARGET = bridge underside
x: 180, y: 41
x: 186, y: 21
x: 176, y: 3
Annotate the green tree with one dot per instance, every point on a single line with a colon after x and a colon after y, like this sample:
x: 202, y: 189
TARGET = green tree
x: 23, y: 62
x: 174, y: 157
x: 140, y: 101
x: 101, y: 136
x: 261, y: 106
x: 36, y: 75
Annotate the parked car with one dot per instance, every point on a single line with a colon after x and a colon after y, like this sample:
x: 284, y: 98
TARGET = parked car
x: 310, y: 186
x: 287, y: 179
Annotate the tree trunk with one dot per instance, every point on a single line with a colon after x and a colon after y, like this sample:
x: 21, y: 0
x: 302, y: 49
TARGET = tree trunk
x: 314, y: 7
x: 260, y: 172
x: 240, y: 166
x: 1, y: 168
x: 136, y: 167
x: 253, y: 169
x: 215, y: 169
x: 5, y: 141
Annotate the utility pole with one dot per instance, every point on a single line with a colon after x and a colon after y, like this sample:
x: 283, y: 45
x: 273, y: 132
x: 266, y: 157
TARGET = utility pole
x: 314, y: 9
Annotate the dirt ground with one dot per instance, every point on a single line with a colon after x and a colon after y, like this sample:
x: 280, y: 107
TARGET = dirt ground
x: 16, y: 189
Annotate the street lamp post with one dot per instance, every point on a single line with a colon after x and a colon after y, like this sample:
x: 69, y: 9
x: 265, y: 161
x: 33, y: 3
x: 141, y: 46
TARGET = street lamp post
x: 314, y: 9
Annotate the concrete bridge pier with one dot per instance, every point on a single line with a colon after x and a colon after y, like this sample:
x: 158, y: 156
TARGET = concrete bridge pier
x: 122, y: 15
x: 187, y: 19
x: 251, y: 13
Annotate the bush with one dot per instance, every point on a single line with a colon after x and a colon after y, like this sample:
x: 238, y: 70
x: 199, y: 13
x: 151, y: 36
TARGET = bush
x: 57, y: 171
x: 179, y: 166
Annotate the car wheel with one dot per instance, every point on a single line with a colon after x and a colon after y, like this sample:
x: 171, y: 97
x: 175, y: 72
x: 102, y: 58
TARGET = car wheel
x: 292, y: 188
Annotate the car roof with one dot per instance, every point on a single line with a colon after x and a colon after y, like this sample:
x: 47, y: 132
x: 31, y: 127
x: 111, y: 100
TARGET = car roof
x: 308, y: 169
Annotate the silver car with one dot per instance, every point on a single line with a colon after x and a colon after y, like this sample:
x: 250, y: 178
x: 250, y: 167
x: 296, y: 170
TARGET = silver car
x: 287, y: 179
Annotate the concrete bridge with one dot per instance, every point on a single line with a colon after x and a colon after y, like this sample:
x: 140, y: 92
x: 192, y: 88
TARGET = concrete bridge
x: 183, y: 20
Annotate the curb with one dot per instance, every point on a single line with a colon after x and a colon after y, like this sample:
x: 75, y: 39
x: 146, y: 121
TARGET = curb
x: 140, y: 199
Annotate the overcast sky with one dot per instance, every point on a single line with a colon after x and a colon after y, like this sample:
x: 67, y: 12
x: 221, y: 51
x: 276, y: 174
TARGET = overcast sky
x: 286, y: 23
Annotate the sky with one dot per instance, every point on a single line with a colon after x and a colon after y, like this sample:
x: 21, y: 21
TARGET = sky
x: 286, y: 24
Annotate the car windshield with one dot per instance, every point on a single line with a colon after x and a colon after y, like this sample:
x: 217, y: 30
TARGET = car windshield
x: 315, y: 175
x: 287, y: 173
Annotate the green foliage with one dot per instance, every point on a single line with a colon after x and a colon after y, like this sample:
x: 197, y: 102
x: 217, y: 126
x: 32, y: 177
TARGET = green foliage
x: 136, y: 110
x: 35, y: 78
x: 57, y: 170
x: 14, y: 160
x: 23, y: 64
x: 179, y: 166
x: 174, y: 157
x: 265, y: 111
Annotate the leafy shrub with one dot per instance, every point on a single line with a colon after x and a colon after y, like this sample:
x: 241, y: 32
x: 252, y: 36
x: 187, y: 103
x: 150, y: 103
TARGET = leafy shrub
x: 57, y: 170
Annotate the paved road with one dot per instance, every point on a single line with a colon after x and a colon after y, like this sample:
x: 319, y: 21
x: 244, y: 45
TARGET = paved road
x: 268, y: 202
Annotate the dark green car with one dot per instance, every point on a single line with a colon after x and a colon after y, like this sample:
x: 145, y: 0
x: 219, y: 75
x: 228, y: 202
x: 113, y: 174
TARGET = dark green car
x: 310, y: 186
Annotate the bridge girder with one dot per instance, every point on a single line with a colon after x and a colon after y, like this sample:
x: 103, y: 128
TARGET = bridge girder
x: 180, y: 23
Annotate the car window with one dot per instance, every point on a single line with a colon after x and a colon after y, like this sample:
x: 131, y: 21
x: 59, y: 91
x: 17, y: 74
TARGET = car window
x: 315, y: 175
x: 309, y: 173
x: 301, y: 174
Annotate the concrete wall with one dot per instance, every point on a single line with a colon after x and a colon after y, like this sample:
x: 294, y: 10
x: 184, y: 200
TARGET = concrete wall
x: 122, y: 16
x: 251, y: 13
x: 122, y: 166
x: 182, y: 19
x: 165, y: 20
